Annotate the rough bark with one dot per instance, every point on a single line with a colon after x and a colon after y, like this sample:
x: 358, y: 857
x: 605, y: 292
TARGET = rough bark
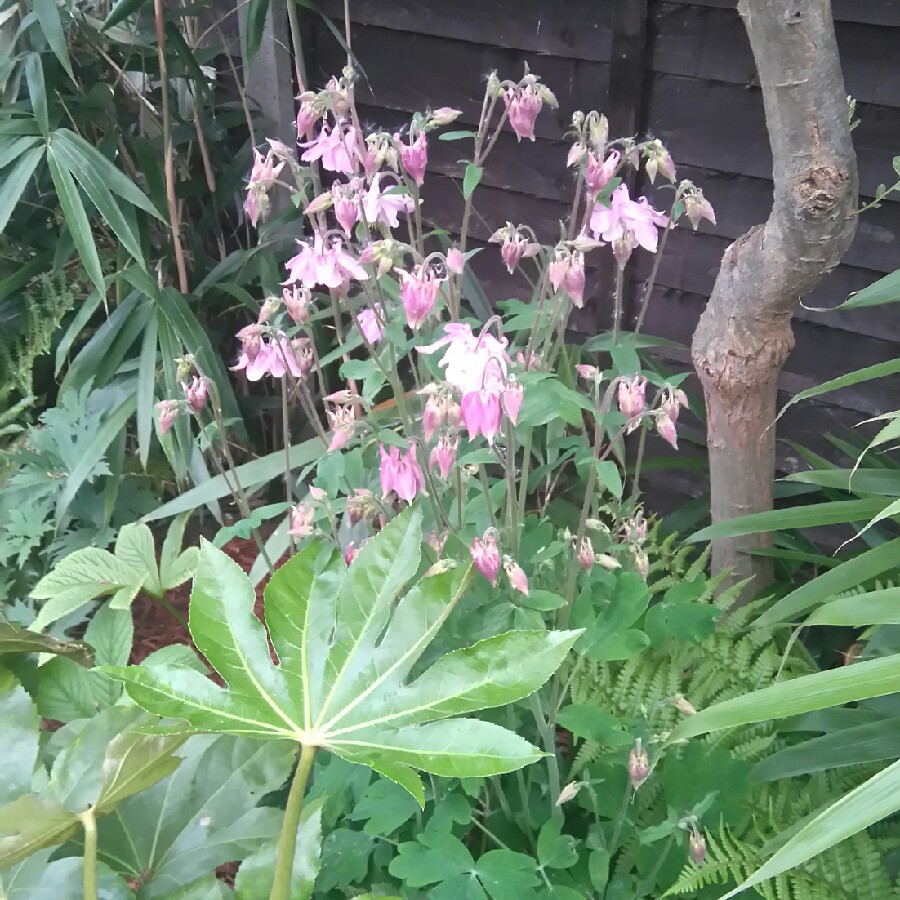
x: 744, y: 335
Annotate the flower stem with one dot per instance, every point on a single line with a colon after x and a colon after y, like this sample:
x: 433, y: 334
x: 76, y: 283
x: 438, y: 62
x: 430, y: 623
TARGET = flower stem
x: 651, y: 281
x: 286, y: 440
x: 647, y: 884
x: 549, y: 741
x: 287, y: 840
x: 523, y: 480
x: 482, y: 474
x: 89, y: 871
x: 511, y: 500
x: 617, y: 308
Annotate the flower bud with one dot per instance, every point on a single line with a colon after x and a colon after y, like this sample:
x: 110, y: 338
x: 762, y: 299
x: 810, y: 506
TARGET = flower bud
x: 683, y: 705
x: 665, y: 427
x: 697, y: 847
x: 638, y: 765
x: 585, y: 554
x: 631, y: 396
x: 486, y: 556
x: 517, y: 578
x: 569, y: 792
x: 512, y: 399
x: 168, y: 412
x: 196, y: 394
x: 444, y: 115
x: 455, y: 261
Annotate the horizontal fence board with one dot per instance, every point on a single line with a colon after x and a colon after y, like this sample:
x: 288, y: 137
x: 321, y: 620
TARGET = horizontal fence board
x: 870, y: 12
x: 579, y: 29
x: 710, y: 43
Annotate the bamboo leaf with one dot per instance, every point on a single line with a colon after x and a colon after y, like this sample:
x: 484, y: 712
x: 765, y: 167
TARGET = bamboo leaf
x: 848, y: 575
x: 76, y: 219
x: 49, y: 19
x: 16, y: 181
x: 37, y: 90
x: 812, y: 516
x: 849, y: 684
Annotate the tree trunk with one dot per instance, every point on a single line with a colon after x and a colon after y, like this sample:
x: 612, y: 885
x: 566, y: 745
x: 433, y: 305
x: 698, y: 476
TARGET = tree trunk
x: 744, y: 335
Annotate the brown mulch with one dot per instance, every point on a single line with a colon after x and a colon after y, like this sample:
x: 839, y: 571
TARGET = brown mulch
x: 155, y: 627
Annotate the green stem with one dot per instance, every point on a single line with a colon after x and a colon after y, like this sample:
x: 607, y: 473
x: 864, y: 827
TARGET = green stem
x: 620, y: 819
x: 287, y: 840
x: 549, y: 741
x: 635, y: 484
x: 617, y: 308
x: 647, y: 884
x: 523, y: 481
x: 511, y: 502
x: 286, y: 440
x: 89, y: 871
x: 177, y: 616
x: 487, y: 494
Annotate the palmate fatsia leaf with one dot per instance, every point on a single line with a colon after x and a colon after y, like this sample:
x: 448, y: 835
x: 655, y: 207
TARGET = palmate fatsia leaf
x: 347, y: 639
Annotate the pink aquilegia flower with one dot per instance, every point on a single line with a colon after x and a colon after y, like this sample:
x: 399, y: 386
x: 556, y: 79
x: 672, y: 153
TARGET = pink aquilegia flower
x: 303, y: 517
x: 696, y: 206
x: 434, y: 414
x: 306, y: 118
x: 600, y: 172
x: 523, y: 105
x: 517, y: 578
x: 513, y: 245
x: 400, y: 473
x: 264, y: 171
x: 418, y: 293
x: 414, y: 156
x: 342, y: 421
x: 482, y: 414
x: 567, y: 272
x: 697, y: 847
x: 346, y: 207
x: 323, y: 263
x: 273, y: 357
x: 196, y: 394
x: 486, y: 556
x: 370, y: 323
x: 297, y: 300
x: 385, y: 206
x: 168, y: 412
x: 337, y: 148
x: 443, y: 455
x: 626, y: 223
x: 631, y: 396
x: 471, y: 361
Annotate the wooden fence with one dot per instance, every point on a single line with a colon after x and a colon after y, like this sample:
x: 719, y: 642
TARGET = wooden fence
x: 680, y: 71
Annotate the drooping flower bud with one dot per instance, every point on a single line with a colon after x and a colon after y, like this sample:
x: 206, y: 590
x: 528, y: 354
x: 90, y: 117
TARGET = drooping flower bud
x: 302, y: 350
x: 638, y: 765
x: 444, y: 115
x: 588, y: 373
x: 697, y: 847
x: 361, y: 506
x: 569, y: 792
x: 370, y: 323
x: 350, y: 553
x: 665, y: 427
x: 296, y: 301
x: 567, y: 272
x: 306, y: 118
x: 343, y: 426
x: 346, y: 210
x: 168, y: 412
x: 443, y: 455
x: 683, y: 705
x: 418, y: 293
x: 401, y: 473
x: 513, y: 394
x: 481, y: 414
x: 196, y: 394
x: 658, y: 160
x: 455, y: 261
x: 486, y: 556
x: 434, y: 415
x: 585, y: 554
x: 517, y: 578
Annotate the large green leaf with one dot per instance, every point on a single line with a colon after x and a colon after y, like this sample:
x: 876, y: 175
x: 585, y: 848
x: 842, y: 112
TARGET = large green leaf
x: 50, y: 21
x: 341, y: 685
x: 848, y: 575
x: 200, y: 817
x: 876, y: 799
x: 18, y: 738
x: 874, y: 678
x: 871, y: 608
x: 104, y: 762
x: 20, y: 640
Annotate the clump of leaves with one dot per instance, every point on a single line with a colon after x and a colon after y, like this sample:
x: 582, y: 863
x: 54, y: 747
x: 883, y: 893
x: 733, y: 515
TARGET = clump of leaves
x: 90, y: 573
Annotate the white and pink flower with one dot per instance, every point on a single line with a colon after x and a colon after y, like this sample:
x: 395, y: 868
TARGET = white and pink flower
x: 323, y: 262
